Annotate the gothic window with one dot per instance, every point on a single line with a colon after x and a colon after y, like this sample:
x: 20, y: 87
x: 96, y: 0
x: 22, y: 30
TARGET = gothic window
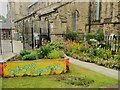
x: 97, y: 9
x: 75, y: 20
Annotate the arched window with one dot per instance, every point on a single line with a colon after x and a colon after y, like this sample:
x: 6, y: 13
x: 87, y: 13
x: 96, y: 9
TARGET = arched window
x: 75, y: 20
x: 97, y: 9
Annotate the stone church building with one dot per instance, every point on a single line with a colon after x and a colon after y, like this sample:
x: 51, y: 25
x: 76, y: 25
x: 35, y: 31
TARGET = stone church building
x: 54, y: 19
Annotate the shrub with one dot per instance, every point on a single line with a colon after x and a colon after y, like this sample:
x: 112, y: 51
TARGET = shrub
x: 42, y: 52
x: 109, y: 53
x: 61, y: 54
x: 55, y: 45
x: 99, y: 61
x: 117, y: 58
x: 89, y: 36
x: 99, y: 36
x: 75, y: 80
x: 55, y: 54
x: 24, y: 52
x: 72, y: 36
x: 67, y: 45
x: 81, y: 39
x: 98, y: 52
x: 83, y: 48
x: 31, y: 56
x: 94, y: 43
x: 75, y: 46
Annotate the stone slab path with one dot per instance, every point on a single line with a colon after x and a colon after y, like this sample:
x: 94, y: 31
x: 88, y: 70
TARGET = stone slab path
x: 17, y: 47
x: 100, y: 69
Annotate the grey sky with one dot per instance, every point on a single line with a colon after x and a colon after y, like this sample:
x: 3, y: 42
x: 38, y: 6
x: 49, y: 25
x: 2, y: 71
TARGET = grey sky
x: 3, y: 7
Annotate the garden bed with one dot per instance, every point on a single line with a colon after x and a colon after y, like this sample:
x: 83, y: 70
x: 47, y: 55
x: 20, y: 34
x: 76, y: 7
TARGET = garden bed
x: 48, y: 59
x: 92, y: 48
x: 33, y: 68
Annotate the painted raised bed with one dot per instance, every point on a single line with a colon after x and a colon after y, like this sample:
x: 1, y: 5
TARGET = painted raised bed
x: 34, y: 67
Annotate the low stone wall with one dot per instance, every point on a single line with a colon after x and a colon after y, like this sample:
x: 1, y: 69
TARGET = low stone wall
x: 33, y: 68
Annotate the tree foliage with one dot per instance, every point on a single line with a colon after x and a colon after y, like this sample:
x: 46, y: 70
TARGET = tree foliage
x: 2, y: 18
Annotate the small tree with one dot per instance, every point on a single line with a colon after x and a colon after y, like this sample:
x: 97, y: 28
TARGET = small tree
x: 2, y: 18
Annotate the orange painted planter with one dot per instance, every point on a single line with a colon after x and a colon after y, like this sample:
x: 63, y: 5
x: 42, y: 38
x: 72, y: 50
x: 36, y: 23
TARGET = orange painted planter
x: 1, y: 69
x: 34, y: 67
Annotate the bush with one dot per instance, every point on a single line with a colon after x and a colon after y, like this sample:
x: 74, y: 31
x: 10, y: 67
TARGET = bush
x: 75, y: 46
x: 83, y: 48
x: 43, y: 52
x: 109, y: 53
x: 89, y: 36
x: 99, y: 36
x: 117, y: 57
x: 75, y: 80
x: 72, y: 36
x: 24, y: 52
x: 31, y: 56
x: 55, y: 54
x: 61, y: 54
x: 55, y: 45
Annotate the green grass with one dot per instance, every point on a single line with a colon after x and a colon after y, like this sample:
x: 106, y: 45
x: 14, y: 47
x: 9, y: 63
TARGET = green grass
x: 49, y: 81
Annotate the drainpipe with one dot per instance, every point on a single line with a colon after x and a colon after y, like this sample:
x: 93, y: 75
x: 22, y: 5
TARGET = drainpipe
x: 89, y: 18
x: 40, y: 37
x: 49, y: 31
x: 23, y: 35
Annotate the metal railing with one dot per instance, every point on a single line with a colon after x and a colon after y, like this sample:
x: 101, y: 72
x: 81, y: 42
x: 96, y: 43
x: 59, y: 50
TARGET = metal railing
x: 113, y: 44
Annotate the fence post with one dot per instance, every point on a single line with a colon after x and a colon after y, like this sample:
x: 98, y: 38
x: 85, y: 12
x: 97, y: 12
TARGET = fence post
x: 108, y: 42
x: 40, y: 37
x: 32, y: 36
x: 11, y: 40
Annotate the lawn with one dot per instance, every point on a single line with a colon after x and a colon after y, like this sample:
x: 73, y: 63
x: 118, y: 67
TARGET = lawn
x: 56, y: 81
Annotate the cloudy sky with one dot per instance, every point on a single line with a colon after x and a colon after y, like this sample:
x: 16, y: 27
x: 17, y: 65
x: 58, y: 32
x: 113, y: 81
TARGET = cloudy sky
x: 3, y: 7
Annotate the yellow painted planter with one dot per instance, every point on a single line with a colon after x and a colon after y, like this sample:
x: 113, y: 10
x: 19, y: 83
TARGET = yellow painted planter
x: 33, y: 68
